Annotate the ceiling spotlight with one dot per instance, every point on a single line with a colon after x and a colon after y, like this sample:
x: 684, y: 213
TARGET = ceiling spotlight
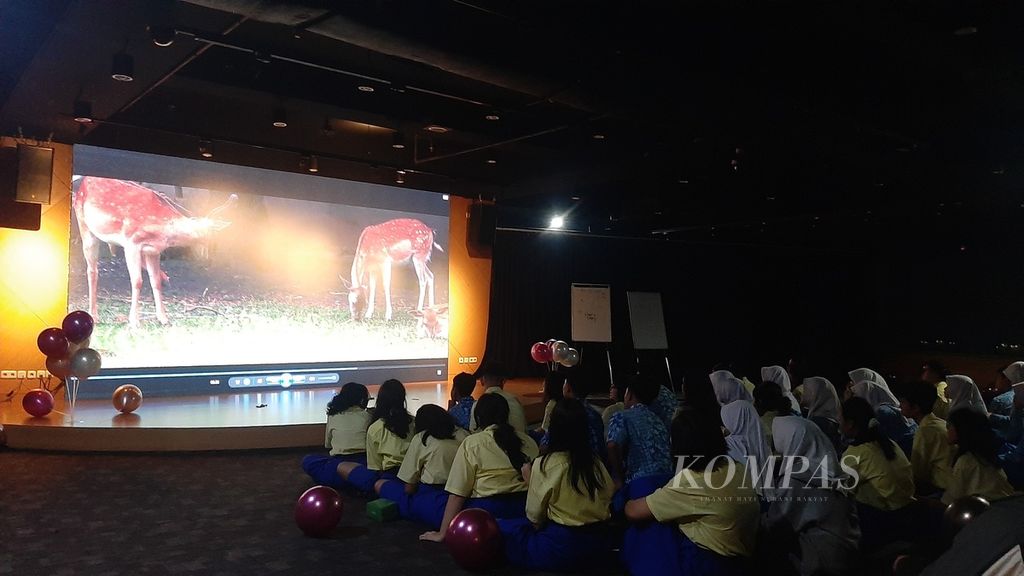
x: 598, y: 136
x: 444, y: 197
x: 965, y: 31
x: 399, y: 176
x: 309, y: 163
x: 122, y: 67
x: 206, y: 149
x: 365, y: 88
x: 557, y: 222
x: 493, y: 117
x: 437, y: 129
x: 261, y: 56
x: 398, y: 140
x: 83, y: 112
x: 163, y: 36
x: 280, y: 118
x: 492, y: 161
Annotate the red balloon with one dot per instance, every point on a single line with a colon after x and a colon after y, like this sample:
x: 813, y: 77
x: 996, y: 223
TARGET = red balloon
x: 53, y: 342
x: 37, y: 402
x: 318, y: 511
x: 77, y: 326
x: 474, y: 540
x: 540, y: 352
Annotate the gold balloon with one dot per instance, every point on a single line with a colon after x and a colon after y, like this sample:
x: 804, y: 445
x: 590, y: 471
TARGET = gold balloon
x: 127, y: 398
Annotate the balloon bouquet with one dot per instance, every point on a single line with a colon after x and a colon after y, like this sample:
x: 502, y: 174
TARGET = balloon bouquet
x: 68, y: 357
x: 554, y: 352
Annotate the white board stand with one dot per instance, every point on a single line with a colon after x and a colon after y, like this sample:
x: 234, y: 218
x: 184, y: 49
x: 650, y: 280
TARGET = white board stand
x: 647, y: 324
x: 592, y: 317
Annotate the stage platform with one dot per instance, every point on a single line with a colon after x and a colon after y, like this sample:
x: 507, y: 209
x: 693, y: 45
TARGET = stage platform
x: 243, y: 421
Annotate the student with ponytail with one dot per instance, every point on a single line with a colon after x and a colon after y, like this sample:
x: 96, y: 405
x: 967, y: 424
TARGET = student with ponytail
x: 487, y: 469
x: 567, y: 503
x: 345, y: 437
x: 387, y: 439
x: 419, y: 489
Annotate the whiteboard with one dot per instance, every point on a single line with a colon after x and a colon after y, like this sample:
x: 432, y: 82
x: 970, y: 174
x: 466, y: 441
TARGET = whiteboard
x: 647, y: 321
x: 591, y: 313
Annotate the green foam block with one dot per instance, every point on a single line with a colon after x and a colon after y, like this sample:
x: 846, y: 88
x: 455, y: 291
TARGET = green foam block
x: 382, y: 510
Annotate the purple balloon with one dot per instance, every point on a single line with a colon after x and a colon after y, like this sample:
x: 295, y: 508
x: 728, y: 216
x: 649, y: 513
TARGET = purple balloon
x: 77, y: 326
x: 318, y: 511
x: 54, y: 343
x: 37, y: 402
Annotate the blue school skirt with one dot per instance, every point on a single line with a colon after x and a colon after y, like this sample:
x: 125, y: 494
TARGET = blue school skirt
x: 880, y: 527
x: 555, y: 547
x: 500, y: 505
x: 324, y: 469
x: 648, y: 547
x: 426, y: 505
x: 363, y: 479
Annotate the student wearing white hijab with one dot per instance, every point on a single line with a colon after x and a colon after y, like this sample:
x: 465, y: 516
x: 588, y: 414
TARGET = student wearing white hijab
x: 818, y: 523
x: 870, y: 386
x: 822, y: 403
x: 728, y: 388
x: 746, y: 433
x: 779, y: 375
x: 963, y: 393
x: 1001, y: 405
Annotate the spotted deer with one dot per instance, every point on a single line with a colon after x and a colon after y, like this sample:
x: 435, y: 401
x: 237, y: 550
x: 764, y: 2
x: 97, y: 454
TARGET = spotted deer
x: 380, y: 246
x: 144, y: 223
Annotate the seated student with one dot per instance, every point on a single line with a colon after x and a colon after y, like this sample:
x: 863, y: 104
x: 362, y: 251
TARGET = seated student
x: 929, y: 458
x: 553, y: 384
x: 492, y: 378
x: 387, y: 439
x: 780, y: 376
x: 711, y: 511
x: 934, y: 372
x: 808, y: 517
x: 487, y: 469
x: 976, y: 470
x: 461, y: 405
x: 770, y: 404
x: 638, y: 444
x: 964, y: 393
x: 419, y: 490
x: 345, y: 436
x: 885, y: 479
x: 746, y: 437
x: 820, y: 399
x: 665, y: 404
x: 615, y: 395
x: 1011, y: 456
x: 567, y: 503
x: 1002, y: 403
x: 575, y: 387
x: 728, y: 388
x: 869, y: 385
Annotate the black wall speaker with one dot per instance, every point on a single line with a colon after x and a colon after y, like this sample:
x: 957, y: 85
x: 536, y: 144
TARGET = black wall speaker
x: 35, y: 169
x: 483, y: 219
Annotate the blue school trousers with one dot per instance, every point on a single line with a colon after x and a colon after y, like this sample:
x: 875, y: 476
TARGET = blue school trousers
x: 879, y: 527
x: 363, y: 479
x: 511, y: 505
x: 648, y: 547
x: 324, y: 469
x: 555, y: 547
x: 694, y: 559
x: 426, y: 505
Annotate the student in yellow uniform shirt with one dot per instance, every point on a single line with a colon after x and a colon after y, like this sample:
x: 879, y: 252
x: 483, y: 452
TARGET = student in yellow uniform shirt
x: 711, y: 514
x: 345, y: 435
x: 929, y: 458
x: 487, y: 469
x: 976, y: 471
x: 567, y: 503
x: 492, y: 378
x: 419, y: 490
x: 387, y: 439
x: 934, y: 373
x: 885, y: 479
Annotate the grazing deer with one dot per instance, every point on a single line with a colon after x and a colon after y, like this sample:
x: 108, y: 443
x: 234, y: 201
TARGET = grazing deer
x: 144, y: 223
x: 432, y: 322
x: 380, y: 246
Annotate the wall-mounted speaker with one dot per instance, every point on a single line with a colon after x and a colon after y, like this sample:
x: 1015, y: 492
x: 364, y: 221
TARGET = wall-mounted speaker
x: 35, y: 169
x: 482, y: 220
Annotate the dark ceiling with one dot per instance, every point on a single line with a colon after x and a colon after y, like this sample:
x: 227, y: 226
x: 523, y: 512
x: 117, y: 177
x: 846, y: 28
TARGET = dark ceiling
x: 748, y: 121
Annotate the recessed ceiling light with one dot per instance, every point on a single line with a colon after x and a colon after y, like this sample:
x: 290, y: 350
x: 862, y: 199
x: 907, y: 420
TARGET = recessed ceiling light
x: 492, y: 161
x: 122, y: 67
x: 206, y: 149
x: 163, y: 36
x: 437, y: 129
x: 280, y: 119
x: 398, y: 141
x: 399, y: 176
x: 575, y: 198
x: 965, y: 31
x: 598, y: 136
x: 83, y: 112
x: 684, y: 181
x: 366, y: 88
x: 492, y: 117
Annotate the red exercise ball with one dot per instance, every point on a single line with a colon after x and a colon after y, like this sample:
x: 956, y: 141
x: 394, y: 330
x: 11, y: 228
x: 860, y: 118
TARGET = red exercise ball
x: 318, y: 511
x: 37, y: 402
x: 473, y: 539
x: 540, y: 352
x: 54, y: 343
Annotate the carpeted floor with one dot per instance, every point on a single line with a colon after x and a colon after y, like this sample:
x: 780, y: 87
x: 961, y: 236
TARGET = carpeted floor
x: 209, y: 514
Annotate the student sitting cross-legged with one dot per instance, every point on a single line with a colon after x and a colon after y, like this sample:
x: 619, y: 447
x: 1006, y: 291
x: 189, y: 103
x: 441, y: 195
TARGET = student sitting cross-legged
x: 419, y: 490
x: 708, y: 513
x: 487, y: 469
x: 387, y: 439
x: 347, y: 420
x: 638, y: 444
x: 567, y: 502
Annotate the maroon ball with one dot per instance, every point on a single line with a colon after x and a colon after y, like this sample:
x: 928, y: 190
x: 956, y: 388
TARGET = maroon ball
x: 318, y: 511
x: 37, y: 402
x: 77, y: 326
x: 54, y: 343
x: 473, y: 539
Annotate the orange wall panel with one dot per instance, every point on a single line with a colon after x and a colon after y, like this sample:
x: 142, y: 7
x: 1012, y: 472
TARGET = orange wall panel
x: 469, y: 284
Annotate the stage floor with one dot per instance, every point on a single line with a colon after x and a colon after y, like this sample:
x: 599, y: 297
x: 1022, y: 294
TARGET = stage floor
x: 248, y: 420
